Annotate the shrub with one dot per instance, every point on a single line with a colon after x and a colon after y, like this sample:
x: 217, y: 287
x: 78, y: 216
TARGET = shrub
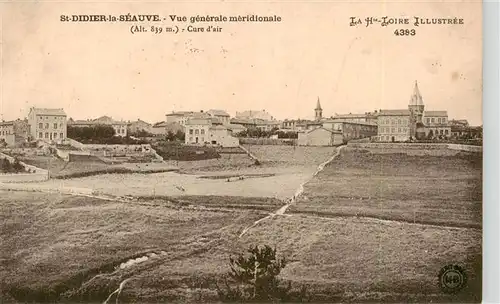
x: 255, y: 278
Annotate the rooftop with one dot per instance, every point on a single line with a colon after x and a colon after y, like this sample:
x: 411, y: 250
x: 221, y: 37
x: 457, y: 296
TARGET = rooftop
x: 435, y: 113
x: 365, y: 123
x: 160, y: 124
x: 350, y: 115
x: 199, y: 121
x: 215, y: 112
x: 47, y: 111
x: 404, y: 112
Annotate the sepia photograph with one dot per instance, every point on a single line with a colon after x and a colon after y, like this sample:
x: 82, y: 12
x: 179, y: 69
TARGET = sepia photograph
x: 238, y: 152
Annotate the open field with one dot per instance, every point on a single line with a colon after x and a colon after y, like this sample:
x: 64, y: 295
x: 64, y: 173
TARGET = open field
x: 370, y: 227
x: 445, y: 190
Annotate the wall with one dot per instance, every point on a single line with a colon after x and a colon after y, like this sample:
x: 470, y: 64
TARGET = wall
x: 65, y: 154
x: 468, y: 148
x: 267, y: 141
x: 416, y: 146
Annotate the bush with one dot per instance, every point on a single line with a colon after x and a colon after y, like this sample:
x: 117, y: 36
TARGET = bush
x: 255, y: 278
x: 7, y: 167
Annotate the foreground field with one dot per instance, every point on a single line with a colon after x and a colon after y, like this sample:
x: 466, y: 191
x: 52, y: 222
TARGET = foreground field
x: 370, y: 227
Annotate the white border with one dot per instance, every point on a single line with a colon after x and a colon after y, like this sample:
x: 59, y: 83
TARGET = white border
x: 491, y: 165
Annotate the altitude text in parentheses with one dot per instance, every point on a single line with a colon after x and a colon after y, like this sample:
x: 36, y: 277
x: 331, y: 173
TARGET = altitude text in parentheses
x: 137, y: 29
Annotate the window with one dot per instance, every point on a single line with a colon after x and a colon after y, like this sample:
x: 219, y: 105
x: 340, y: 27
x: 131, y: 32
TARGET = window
x: 196, y: 132
x: 399, y: 130
x: 60, y: 125
x: 203, y: 139
x: 393, y: 130
x: 46, y: 125
x: 190, y: 138
x: 61, y: 135
x: 399, y: 121
x: 40, y: 125
x: 55, y: 125
x: 444, y: 120
x: 432, y: 119
x: 55, y: 135
x: 190, y: 133
x: 202, y: 131
x: 428, y: 120
x: 446, y: 132
x: 40, y: 135
x: 46, y: 134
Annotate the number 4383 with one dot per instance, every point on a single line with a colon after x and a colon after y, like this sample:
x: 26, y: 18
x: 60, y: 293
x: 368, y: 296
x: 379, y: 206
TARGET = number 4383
x: 404, y: 32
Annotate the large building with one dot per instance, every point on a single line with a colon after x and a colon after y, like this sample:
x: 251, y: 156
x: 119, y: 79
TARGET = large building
x: 182, y: 117
x: 351, y: 129
x: 394, y: 125
x: 262, y: 115
x: 47, y: 124
x: 256, y: 123
x: 207, y: 131
x: 134, y: 127
x: 120, y: 127
x: 357, y: 117
x: 319, y: 137
x: 414, y: 123
x: 436, y: 124
x: 221, y: 115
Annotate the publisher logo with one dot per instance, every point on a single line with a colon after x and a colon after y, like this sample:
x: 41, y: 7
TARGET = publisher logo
x: 452, y: 278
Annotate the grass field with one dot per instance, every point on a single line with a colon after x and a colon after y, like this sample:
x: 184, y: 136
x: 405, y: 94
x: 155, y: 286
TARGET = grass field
x: 365, y: 230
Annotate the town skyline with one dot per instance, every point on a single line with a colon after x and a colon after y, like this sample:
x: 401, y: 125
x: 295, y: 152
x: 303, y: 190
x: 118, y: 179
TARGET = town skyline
x: 106, y: 71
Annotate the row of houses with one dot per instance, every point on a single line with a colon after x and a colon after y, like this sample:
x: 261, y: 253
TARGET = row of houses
x: 216, y: 127
x: 389, y: 125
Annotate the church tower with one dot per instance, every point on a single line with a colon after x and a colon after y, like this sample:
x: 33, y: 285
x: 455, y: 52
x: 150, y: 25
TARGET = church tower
x: 318, y: 112
x: 416, y: 105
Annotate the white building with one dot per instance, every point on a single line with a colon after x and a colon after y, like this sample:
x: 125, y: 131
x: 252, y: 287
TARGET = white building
x: 221, y: 115
x: 197, y: 130
x: 47, y: 124
x: 205, y: 131
x: 394, y: 125
x: 120, y: 127
x: 182, y: 117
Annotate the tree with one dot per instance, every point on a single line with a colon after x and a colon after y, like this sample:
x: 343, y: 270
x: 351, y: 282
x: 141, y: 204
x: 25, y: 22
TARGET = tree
x: 6, y: 166
x: 17, y: 166
x: 143, y: 133
x: 170, y: 136
x: 180, y: 135
x: 430, y: 135
x: 256, y: 278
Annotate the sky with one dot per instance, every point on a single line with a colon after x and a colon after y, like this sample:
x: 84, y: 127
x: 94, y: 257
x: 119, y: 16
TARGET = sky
x: 95, y: 69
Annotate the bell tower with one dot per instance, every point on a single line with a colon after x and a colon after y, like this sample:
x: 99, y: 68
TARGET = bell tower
x: 318, y: 112
x: 416, y: 104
